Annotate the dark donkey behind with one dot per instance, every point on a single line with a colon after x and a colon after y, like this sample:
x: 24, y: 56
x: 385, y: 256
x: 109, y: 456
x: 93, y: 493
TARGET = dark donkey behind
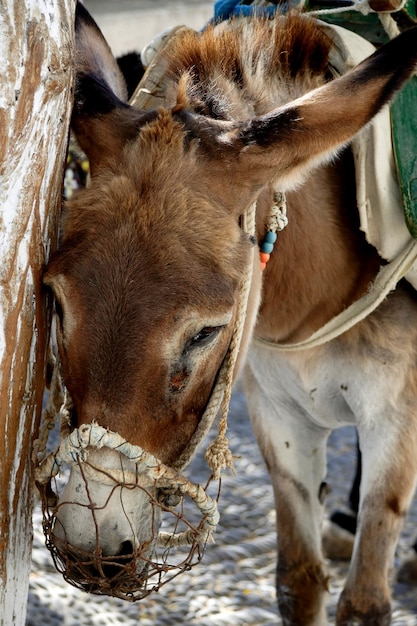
x: 149, y: 266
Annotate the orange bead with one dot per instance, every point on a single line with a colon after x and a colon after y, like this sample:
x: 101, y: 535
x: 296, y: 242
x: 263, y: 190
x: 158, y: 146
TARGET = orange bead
x: 263, y: 266
x: 264, y: 256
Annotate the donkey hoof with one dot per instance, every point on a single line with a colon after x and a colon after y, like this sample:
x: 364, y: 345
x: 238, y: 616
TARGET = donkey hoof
x: 375, y: 614
x: 337, y: 543
x: 408, y: 571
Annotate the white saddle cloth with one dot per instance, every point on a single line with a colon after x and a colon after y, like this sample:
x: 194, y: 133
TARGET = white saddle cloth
x: 378, y: 194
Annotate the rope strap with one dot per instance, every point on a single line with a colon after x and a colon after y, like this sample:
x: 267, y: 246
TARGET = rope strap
x: 218, y: 455
x: 226, y: 9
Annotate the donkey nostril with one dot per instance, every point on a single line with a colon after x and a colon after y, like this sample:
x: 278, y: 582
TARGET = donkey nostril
x: 123, y: 561
x: 126, y: 549
x: 120, y: 560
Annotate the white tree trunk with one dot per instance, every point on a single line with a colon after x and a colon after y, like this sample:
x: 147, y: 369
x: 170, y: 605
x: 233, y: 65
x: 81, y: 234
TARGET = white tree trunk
x: 36, y: 74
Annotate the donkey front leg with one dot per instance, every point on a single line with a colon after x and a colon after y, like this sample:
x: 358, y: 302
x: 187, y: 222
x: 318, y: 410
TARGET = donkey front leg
x: 295, y: 454
x: 389, y: 463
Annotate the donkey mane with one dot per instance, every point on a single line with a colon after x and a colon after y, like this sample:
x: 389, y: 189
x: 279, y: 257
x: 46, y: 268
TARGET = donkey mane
x: 227, y: 73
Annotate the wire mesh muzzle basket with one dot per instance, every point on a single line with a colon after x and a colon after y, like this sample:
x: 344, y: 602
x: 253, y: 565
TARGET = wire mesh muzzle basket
x: 174, y: 539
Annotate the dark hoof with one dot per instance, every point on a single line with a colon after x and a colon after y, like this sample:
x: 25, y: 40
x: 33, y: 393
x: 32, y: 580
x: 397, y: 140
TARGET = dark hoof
x: 347, y: 615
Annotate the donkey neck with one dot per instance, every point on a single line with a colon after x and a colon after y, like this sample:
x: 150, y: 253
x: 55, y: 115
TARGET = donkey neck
x: 321, y: 262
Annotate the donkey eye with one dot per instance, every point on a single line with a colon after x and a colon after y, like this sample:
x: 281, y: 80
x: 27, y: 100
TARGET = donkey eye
x: 205, y: 336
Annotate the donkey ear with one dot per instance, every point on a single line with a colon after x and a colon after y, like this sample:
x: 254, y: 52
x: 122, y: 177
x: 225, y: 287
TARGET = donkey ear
x: 288, y: 142
x: 101, y: 119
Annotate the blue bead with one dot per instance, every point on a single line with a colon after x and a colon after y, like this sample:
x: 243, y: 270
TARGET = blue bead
x: 267, y: 247
x: 270, y: 237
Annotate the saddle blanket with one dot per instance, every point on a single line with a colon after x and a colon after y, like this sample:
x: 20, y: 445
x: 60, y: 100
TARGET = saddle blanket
x: 378, y: 193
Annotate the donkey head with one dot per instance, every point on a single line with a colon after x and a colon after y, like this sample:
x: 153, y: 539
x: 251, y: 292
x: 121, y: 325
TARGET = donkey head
x: 152, y: 252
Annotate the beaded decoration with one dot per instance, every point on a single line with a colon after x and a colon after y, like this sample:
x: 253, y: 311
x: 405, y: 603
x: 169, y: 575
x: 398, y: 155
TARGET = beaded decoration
x: 277, y: 221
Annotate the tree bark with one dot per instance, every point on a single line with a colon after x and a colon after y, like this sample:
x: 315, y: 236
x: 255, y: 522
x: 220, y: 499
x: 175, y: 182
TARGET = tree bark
x: 36, y: 73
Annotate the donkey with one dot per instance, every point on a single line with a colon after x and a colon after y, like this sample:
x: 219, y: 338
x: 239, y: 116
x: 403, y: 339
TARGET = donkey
x: 152, y: 255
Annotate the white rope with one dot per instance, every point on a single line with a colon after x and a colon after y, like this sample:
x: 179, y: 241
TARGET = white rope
x: 361, y: 6
x: 278, y: 219
x: 218, y: 455
x: 55, y: 400
x: 389, y: 24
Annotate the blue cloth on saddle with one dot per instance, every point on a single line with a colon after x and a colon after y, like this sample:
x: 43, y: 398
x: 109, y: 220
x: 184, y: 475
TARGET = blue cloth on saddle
x: 225, y: 9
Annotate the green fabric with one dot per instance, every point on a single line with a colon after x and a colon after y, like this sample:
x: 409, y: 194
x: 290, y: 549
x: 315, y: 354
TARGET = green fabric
x: 367, y: 26
x: 404, y: 133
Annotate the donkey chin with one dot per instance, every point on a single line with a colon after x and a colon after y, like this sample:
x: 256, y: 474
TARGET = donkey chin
x: 105, y: 527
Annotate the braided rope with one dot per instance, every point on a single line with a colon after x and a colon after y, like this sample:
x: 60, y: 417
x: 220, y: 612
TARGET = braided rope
x: 389, y: 24
x: 218, y: 454
x: 225, y: 9
x: 278, y: 219
x: 361, y: 6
